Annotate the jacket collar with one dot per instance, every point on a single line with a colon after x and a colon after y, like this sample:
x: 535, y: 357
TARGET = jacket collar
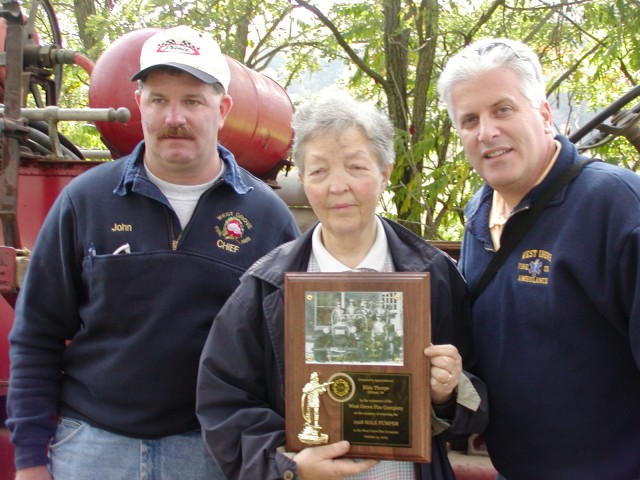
x: 134, y: 177
x: 478, y: 208
x: 410, y: 253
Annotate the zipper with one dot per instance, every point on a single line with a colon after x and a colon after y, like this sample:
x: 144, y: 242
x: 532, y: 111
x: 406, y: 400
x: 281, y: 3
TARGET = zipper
x: 488, y: 247
x: 174, y: 241
x: 521, y: 209
x: 511, y: 215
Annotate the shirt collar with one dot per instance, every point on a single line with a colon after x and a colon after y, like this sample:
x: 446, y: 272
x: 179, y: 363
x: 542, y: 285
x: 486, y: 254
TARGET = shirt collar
x: 498, y: 204
x: 498, y: 214
x: 374, y: 260
x: 135, y: 170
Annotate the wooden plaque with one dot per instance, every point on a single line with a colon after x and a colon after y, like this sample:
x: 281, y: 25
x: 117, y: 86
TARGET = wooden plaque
x: 354, y: 363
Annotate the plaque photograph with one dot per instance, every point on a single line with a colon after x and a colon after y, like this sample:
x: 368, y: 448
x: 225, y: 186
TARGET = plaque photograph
x: 354, y: 363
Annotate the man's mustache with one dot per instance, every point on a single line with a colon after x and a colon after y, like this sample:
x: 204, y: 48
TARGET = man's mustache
x: 176, y: 132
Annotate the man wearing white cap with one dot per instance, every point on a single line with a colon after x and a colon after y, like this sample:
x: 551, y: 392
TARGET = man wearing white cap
x: 132, y: 264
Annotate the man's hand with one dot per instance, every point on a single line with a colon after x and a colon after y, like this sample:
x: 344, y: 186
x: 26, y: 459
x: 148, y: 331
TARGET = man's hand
x: 324, y: 462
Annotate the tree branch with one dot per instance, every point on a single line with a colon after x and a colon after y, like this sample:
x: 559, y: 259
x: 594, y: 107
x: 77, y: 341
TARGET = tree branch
x: 343, y: 43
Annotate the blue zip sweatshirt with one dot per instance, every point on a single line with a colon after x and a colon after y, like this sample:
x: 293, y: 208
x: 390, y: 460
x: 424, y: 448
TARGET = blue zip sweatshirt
x: 557, y: 330
x: 136, y: 321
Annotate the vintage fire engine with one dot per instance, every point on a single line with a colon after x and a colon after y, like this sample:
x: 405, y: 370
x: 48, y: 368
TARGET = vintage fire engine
x: 37, y: 161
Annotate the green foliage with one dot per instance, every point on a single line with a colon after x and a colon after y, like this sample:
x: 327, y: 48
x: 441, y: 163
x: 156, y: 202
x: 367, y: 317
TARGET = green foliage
x: 244, y: 29
x: 394, y: 51
x: 590, y: 57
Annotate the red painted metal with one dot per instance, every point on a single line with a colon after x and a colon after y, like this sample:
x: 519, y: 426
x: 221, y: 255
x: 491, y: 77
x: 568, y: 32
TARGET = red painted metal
x: 39, y: 184
x: 257, y: 130
x: 7, y: 470
x: 471, y: 467
x: 110, y: 86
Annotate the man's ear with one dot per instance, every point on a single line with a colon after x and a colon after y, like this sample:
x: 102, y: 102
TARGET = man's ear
x: 225, y: 107
x: 545, y: 111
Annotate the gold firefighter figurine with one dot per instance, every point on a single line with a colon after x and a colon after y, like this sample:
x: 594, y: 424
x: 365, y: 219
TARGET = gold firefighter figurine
x: 311, y: 411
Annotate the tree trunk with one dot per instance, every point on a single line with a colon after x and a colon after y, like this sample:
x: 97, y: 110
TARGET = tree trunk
x: 84, y: 9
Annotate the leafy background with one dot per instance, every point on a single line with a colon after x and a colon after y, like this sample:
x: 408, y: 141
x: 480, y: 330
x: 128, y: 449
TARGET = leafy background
x: 391, y: 52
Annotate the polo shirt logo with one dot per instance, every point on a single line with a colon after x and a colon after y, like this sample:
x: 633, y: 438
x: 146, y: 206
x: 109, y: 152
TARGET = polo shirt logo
x: 534, y: 267
x: 232, y: 231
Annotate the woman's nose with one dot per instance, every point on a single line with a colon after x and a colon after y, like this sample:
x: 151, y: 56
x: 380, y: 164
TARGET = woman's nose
x: 337, y: 183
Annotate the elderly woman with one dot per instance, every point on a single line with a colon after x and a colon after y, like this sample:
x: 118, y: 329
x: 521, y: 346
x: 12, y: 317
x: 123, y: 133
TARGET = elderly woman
x: 344, y: 153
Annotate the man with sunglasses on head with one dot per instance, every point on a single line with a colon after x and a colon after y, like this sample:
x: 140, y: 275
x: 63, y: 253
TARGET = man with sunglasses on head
x: 557, y: 325
x: 132, y: 264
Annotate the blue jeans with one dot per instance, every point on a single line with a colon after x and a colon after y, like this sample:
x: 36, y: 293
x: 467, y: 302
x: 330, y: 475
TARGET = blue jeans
x: 82, y: 452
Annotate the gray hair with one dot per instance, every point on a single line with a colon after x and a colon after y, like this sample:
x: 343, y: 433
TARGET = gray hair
x: 336, y: 112
x: 491, y: 54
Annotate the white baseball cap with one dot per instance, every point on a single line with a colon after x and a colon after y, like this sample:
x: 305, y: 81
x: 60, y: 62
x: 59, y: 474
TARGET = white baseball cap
x: 188, y: 50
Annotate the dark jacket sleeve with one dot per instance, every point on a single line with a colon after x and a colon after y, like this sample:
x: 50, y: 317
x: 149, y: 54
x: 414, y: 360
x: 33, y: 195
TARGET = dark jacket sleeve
x: 46, y: 315
x: 451, y: 324
x: 239, y: 395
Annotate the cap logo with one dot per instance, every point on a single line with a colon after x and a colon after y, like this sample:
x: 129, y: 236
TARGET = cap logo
x: 185, y: 47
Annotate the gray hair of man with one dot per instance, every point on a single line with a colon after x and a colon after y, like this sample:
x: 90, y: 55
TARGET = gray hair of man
x: 491, y: 54
x: 336, y: 112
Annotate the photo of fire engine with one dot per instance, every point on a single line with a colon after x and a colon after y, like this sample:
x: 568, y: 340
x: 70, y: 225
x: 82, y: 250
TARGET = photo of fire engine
x: 354, y: 327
